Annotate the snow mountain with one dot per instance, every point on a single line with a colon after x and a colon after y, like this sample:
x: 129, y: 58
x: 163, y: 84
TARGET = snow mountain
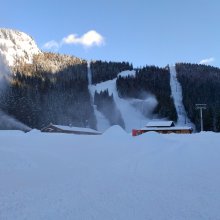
x: 17, y: 46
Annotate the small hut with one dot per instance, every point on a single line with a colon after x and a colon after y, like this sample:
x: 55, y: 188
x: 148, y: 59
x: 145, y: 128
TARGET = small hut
x: 69, y: 130
x: 164, y: 127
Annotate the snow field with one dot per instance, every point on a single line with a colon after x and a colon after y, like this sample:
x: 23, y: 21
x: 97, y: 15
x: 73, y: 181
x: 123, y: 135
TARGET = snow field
x: 111, y: 176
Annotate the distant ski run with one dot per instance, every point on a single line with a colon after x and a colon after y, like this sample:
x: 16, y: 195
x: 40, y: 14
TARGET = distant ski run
x: 176, y: 91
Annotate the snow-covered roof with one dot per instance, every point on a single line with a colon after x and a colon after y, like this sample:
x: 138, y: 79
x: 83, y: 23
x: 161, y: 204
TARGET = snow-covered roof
x: 160, y: 124
x: 165, y: 128
x: 69, y: 128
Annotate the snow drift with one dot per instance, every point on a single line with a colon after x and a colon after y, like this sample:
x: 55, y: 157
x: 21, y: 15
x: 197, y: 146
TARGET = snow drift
x: 111, y: 176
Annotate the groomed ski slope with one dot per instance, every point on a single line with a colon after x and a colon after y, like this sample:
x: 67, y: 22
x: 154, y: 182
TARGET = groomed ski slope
x: 112, y: 176
x: 132, y: 117
x: 176, y: 91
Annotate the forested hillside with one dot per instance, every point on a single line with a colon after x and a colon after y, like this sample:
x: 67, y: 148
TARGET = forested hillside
x: 103, y: 71
x: 150, y: 80
x: 39, y: 88
x: 201, y: 85
x: 54, y: 89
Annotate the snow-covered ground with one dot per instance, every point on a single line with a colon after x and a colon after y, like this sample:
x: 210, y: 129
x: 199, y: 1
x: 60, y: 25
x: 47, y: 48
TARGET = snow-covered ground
x: 111, y: 176
x: 132, y: 116
x: 176, y: 91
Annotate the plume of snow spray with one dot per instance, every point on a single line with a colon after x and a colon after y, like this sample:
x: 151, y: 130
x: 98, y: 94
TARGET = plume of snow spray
x: 6, y: 121
x: 146, y: 104
x: 4, y: 68
x: 9, y: 123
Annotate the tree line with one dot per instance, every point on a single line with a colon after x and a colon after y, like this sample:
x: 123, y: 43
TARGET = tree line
x: 201, y: 85
x: 103, y: 71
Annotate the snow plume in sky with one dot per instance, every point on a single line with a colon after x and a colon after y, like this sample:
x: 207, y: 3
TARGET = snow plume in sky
x: 4, y: 72
x: 4, y: 69
x: 87, y: 40
x: 207, y: 61
x: 146, y: 104
x: 6, y: 121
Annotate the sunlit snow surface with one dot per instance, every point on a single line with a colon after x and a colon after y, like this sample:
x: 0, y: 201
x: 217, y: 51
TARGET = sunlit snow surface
x: 16, y: 46
x: 111, y: 176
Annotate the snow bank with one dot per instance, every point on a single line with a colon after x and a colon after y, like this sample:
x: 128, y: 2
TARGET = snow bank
x: 115, y: 130
x: 151, y: 176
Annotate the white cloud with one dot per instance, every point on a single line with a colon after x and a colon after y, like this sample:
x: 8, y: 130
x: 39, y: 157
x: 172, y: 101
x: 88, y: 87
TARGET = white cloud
x: 51, y: 45
x: 207, y: 61
x: 70, y: 39
x: 89, y: 39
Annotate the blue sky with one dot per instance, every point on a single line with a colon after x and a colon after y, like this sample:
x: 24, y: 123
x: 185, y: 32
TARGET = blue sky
x: 143, y: 32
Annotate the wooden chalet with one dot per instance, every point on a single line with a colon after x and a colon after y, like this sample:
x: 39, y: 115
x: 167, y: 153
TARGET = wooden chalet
x: 163, y: 127
x: 69, y: 130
